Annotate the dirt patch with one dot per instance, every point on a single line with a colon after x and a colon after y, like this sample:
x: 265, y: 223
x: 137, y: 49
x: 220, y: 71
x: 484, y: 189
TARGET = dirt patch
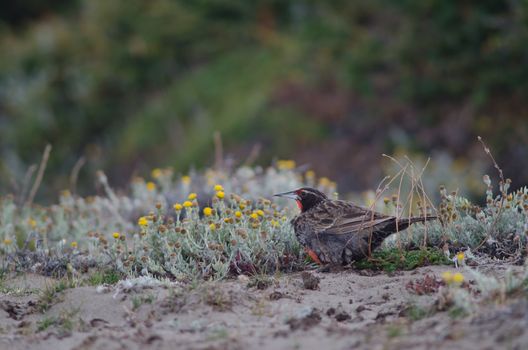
x: 305, y: 322
x: 310, y: 281
x: 345, y: 309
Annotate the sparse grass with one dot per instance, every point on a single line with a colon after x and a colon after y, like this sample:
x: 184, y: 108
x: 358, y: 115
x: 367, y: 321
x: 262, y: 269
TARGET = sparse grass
x: 45, y: 323
x: 393, y: 259
x: 139, y: 300
x: 218, y: 334
x: 64, y: 322
x: 394, y: 330
x: 50, y: 294
x: 416, y: 313
x: 457, y: 312
x: 104, y: 277
x: 219, y: 299
x: 260, y: 281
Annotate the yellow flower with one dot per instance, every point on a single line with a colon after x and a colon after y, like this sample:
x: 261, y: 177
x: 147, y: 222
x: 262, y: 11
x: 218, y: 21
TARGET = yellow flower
x: 32, y: 222
x: 186, y: 180
x: 458, y: 278
x: 324, y: 181
x: 310, y: 174
x: 156, y: 173
x: 116, y: 235
x: 151, y: 186
x: 447, y: 276
x: 73, y: 244
x: 208, y: 211
x: 274, y: 223
x: 254, y: 216
x: 142, y: 221
x: 286, y: 164
x: 218, y: 188
x: 260, y: 212
x: 8, y: 241
x: 238, y: 214
x: 177, y: 207
x: 212, y: 227
x: 187, y: 204
x: 242, y: 206
x: 220, y: 194
x: 460, y: 257
x: 191, y: 196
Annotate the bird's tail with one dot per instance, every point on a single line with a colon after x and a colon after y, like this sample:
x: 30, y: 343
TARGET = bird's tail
x: 400, y: 224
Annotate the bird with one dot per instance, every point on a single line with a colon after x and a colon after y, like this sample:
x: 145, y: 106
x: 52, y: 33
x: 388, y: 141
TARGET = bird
x: 341, y: 232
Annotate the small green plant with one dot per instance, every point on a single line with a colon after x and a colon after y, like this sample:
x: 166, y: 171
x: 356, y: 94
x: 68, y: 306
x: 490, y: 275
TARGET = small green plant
x: 104, y: 277
x: 394, y: 331
x: 45, y: 323
x: 49, y: 295
x: 64, y: 321
x: 457, y: 312
x: 393, y: 259
x: 416, y: 313
x: 260, y: 281
x: 219, y: 299
x: 139, y: 300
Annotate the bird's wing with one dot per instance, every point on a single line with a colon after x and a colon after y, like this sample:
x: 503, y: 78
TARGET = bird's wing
x: 349, y: 218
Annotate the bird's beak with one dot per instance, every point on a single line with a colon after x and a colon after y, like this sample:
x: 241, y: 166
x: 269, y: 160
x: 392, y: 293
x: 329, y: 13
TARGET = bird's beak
x: 291, y: 194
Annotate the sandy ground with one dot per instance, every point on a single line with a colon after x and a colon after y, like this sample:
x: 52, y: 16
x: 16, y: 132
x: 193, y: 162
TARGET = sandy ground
x: 346, y: 310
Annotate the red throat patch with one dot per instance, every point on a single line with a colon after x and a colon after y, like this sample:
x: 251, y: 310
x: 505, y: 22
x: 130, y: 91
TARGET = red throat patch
x: 299, y: 204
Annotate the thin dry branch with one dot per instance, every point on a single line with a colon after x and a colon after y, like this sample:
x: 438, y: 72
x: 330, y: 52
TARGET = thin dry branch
x: 502, y: 190
x: 40, y: 174
x: 74, y: 176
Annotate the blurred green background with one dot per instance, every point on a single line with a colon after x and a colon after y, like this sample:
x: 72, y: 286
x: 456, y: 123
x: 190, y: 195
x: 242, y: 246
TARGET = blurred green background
x: 134, y: 84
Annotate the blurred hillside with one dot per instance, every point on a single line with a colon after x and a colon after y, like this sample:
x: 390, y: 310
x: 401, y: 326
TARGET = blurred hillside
x: 134, y: 84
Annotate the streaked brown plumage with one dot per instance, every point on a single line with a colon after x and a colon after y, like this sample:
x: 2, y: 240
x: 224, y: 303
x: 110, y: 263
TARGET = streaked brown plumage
x: 339, y: 232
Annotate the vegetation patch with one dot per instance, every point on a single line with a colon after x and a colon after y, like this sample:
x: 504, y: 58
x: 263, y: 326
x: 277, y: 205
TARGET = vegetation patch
x: 394, y: 259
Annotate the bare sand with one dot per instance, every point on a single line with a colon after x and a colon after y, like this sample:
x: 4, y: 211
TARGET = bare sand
x: 349, y: 309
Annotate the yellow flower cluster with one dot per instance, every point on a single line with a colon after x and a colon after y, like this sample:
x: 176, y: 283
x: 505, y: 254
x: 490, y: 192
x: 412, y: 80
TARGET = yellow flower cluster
x: 186, y: 180
x: 151, y: 186
x: 32, y: 223
x: 286, y: 164
x: 156, y: 173
x: 143, y: 221
x: 326, y: 182
x: 452, y: 278
x: 460, y: 257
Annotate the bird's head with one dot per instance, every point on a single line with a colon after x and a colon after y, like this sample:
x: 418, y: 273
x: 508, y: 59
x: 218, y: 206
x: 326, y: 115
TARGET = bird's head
x: 305, y: 197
